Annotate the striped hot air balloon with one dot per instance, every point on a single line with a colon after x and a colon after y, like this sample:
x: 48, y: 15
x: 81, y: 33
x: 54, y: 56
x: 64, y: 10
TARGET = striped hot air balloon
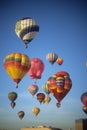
x: 26, y: 29
x: 59, y: 85
x: 51, y: 57
x: 17, y: 65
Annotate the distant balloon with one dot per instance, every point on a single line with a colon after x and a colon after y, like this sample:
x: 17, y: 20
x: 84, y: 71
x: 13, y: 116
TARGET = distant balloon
x: 59, y: 61
x: 36, y: 69
x: 45, y: 88
x: 36, y: 111
x: 84, y: 109
x: 26, y: 29
x: 21, y: 114
x: 17, y: 65
x: 84, y: 99
x: 33, y: 89
x: 59, y: 85
x: 47, y: 99
x: 12, y: 97
x: 51, y: 57
x: 40, y: 97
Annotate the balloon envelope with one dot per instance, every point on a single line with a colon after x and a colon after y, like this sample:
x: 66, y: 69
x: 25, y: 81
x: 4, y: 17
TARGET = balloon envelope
x: 51, y: 57
x: 84, y: 98
x: 21, y: 114
x: 12, y: 96
x: 36, y: 69
x: 36, y: 111
x: 59, y: 61
x: 59, y: 85
x: 84, y: 109
x: 17, y: 65
x: 33, y: 89
x: 40, y: 97
x: 26, y: 29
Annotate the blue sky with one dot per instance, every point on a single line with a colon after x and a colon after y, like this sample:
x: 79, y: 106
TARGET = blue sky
x: 63, y: 30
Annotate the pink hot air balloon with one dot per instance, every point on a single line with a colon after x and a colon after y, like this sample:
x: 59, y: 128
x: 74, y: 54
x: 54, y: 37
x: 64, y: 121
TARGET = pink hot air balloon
x: 33, y: 89
x: 36, y: 69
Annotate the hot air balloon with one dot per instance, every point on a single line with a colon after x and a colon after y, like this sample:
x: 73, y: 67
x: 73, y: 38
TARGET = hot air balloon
x: 45, y: 88
x: 17, y: 65
x: 84, y: 109
x: 36, y: 69
x: 33, y: 89
x: 59, y: 61
x: 47, y: 99
x: 59, y: 85
x: 12, y: 97
x: 40, y: 97
x: 51, y: 57
x: 21, y: 114
x: 26, y: 29
x: 36, y: 111
x: 84, y: 99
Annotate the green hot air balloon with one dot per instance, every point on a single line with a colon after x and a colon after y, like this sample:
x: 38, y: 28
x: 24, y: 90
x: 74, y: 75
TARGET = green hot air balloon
x: 12, y: 97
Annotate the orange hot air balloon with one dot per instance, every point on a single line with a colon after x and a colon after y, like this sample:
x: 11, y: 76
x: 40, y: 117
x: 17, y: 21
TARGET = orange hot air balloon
x: 40, y: 97
x: 33, y: 89
x: 17, y: 65
x: 36, y: 110
x: 36, y: 69
x: 59, y: 61
x: 84, y: 99
x: 59, y: 85
x: 21, y: 114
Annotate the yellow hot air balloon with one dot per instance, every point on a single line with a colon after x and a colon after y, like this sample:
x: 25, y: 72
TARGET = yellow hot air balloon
x: 47, y: 99
x: 36, y: 111
x: 17, y: 65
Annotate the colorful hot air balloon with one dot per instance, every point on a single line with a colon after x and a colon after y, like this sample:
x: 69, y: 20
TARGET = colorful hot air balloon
x: 12, y: 97
x: 33, y: 89
x: 84, y: 108
x: 40, y: 97
x: 17, y: 65
x: 84, y: 99
x: 36, y: 69
x: 21, y: 114
x: 47, y: 99
x: 26, y: 29
x: 36, y: 111
x: 59, y: 85
x: 45, y: 88
x: 59, y: 61
x: 51, y: 57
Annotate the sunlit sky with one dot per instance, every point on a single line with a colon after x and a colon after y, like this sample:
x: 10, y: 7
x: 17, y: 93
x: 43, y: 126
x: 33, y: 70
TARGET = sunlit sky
x: 63, y: 30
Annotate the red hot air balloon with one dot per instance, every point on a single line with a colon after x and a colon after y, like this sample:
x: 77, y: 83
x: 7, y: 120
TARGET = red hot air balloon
x: 59, y: 85
x: 36, y: 69
x: 59, y: 61
x: 40, y: 97
x: 84, y: 99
